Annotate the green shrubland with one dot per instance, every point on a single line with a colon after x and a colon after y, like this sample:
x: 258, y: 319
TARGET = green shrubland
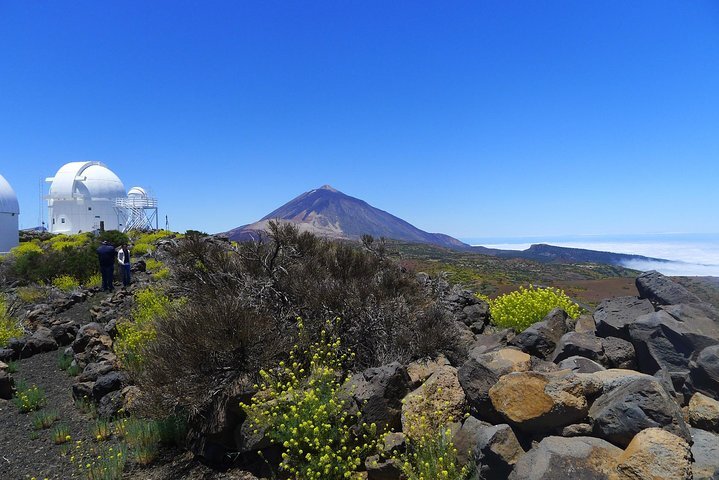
x: 9, y: 326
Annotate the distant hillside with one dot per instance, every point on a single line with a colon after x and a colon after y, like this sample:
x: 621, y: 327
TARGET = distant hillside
x: 330, y: 213
x: 551, y: 254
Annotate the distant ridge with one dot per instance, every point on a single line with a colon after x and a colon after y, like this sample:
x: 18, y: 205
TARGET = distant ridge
x: 327, y: 212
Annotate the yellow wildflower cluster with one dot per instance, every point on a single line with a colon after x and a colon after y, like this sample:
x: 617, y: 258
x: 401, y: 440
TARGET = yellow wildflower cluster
x: 134, y: 336
x: 299, y: 406
x: 430, y: 453
x: 66, y: 283
x: 521, y: 308
x: 28, y: 399
x: 96, y: 462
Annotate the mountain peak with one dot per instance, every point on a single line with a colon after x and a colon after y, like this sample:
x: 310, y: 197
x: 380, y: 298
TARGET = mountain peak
x: 330, y: 213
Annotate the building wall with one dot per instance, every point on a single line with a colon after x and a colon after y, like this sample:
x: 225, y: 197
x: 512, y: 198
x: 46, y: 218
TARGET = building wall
x: 9, y: 233
x: 81, y: 215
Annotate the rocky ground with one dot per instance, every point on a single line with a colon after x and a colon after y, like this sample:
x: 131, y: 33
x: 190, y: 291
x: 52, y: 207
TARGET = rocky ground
x: 626, y: 392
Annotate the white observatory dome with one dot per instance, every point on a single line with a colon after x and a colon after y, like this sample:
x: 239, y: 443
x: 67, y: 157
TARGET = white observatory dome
x: 137, y: 192
x: 86, y: 179
x: 8, y: 199
x: 9, y: 213
x: 83, y: 197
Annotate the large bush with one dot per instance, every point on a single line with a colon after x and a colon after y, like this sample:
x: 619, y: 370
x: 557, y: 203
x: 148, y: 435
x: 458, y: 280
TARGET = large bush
x: 521, y: 308
x: 243, y: 301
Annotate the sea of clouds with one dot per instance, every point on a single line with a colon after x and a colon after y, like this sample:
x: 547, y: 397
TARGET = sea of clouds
x: 689, y: 255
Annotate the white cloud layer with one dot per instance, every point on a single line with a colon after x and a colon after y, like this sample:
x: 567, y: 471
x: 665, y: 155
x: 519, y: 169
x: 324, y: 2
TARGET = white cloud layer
x: 688, y: 258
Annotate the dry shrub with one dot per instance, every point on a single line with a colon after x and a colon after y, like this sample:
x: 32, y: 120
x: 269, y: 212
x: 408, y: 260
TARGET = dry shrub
x: 243, y: 301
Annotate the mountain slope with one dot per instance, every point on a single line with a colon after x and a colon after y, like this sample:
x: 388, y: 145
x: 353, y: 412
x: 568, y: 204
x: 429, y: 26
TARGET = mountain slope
x: 331, y: 213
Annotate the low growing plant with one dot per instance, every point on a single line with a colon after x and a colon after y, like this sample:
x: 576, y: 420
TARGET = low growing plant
x: 66, y: 283
x: 94, y: 281
x: 44, y: 419
x: 96, y: 462
x: 143, y: 438
x: 61, y: 434
x: 31, y: 294
x: 101, y: 430
x: 29, y: 399
x: 521, y: 308
x: 299, y: 406
x: 64, y: 361
x: 9, y: 327
x: 13, y: 366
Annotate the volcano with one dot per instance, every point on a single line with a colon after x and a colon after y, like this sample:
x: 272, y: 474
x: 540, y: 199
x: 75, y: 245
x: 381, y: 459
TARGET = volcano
x: 327, y: 212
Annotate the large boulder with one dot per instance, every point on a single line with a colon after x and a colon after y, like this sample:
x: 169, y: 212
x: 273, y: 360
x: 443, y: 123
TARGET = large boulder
x: 378, y: 393
x: 624, y: 411
x: 542, y: 402
x: 6, y: 385
x: 698, y: 317
x: 107, y: 383
x: 421, y: 370
x: 482, y: 370
x: 541, y: 338
x: 704, y: 372
x: 559, y: 458
x: 662, y: 342
x: 585, y: 345
x: 441, y: 392
x: 661, y: 290
x: 655, y: 454
x: 704, y: 413
x: 618, y: 353
x: 497, y: 451
x: 613, y: 315
x: 705, y: 451
x: 579, y: 364
x: 39, y: 342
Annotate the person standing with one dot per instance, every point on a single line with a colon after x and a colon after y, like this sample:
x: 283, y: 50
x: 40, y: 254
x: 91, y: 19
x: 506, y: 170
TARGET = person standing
x: 106, y: 257
x: 123, y: 258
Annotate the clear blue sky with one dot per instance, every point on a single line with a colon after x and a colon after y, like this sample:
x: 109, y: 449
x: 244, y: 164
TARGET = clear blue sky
x: 472, y: 118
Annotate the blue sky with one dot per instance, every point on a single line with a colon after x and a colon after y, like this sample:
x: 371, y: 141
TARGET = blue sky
x: 475, y: 119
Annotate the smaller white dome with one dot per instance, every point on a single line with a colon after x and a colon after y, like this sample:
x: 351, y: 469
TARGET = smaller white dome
x: 137, y: 192
x: 8, y: 198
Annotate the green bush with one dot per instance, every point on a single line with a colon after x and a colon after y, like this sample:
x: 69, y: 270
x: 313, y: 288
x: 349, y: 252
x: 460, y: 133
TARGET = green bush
x: 300, y: 407
x: 113, y: 237
x: 140, y: 249
x: 521, y: 308
x: 66, y: 283
x: 9, y: 327
x: 134, y: 336
x: 31, y: 294
x: 94, y: 281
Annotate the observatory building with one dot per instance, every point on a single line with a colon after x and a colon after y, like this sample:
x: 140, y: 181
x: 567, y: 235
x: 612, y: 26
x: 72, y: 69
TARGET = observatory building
x: 88, y: 196
x: 9, y: 213
x: 82, y: 198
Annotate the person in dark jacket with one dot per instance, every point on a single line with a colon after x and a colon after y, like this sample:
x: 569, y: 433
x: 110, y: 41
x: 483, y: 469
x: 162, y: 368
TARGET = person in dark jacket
x: 123, y: 258
x: 106, y: 256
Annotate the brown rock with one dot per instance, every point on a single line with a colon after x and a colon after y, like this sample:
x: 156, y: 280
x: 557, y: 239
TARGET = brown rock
x: 535, y: 401
x: 441, y: 392
x: 655, y: 454
x: 704, y: 412
x: 421, y: 370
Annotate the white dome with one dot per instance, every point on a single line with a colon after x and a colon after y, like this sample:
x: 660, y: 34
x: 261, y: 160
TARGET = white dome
x: 85, y: 179
x: 8, y: 198
x: 137, y: 192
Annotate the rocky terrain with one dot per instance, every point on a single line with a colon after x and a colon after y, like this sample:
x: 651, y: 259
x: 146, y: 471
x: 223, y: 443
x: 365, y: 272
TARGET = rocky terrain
x: 626, y: 391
